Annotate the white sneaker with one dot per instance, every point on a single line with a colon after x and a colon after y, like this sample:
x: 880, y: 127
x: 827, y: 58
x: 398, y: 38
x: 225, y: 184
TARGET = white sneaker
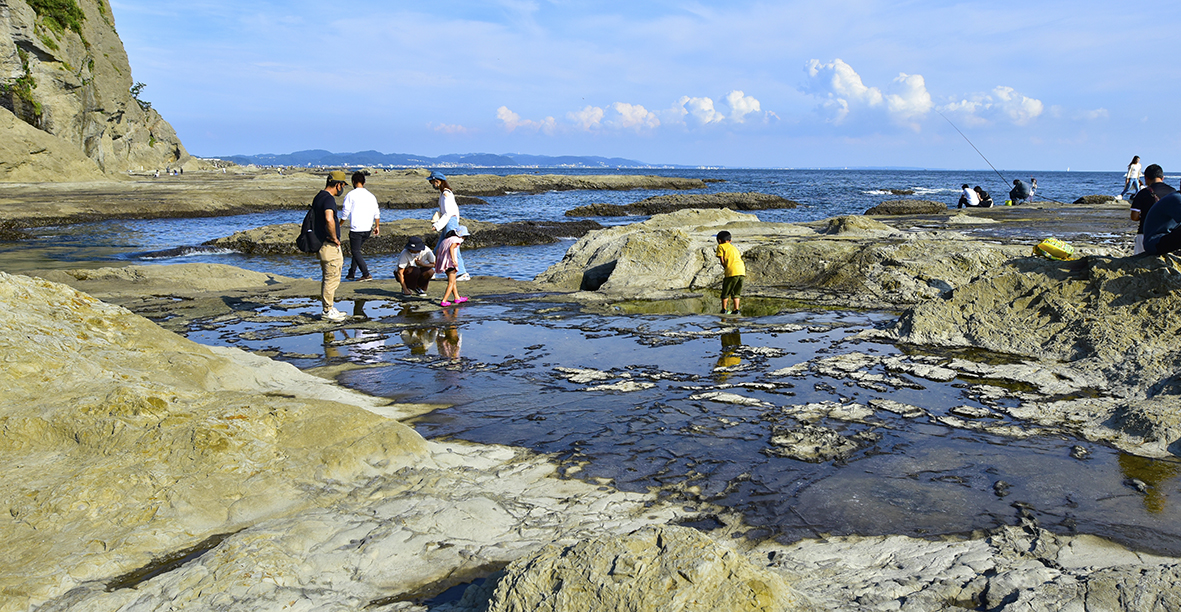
x: 334, y: 315
x: 464, y: 277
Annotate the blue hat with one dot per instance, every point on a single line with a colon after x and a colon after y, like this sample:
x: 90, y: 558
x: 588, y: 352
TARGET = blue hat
x: 461, y: 231
x: 436, y: 176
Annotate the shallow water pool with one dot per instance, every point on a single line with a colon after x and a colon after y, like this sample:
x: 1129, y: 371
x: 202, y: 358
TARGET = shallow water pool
x: 697, y: 407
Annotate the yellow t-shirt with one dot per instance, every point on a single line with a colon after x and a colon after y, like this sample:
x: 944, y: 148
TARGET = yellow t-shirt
x: 731, y: 260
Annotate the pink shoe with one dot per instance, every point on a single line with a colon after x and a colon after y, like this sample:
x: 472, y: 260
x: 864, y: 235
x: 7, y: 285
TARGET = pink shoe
x: 444, y: 303
x: 460, y: 300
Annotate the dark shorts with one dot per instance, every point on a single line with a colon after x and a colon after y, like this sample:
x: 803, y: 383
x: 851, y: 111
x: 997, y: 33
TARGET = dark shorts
x: 732, y: 286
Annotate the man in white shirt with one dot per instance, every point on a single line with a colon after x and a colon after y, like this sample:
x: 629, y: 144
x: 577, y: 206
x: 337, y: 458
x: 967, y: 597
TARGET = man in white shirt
x: 968, y: 198
x: 416, y: 267
x: 360, y: 208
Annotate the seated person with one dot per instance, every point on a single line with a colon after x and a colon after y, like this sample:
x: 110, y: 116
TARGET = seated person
x: 968, y: 198
x: 985, y: 199
x: 1020, y: 192
x: 416, y: 267
x: 1161, y: 233
x: 1155, y: 189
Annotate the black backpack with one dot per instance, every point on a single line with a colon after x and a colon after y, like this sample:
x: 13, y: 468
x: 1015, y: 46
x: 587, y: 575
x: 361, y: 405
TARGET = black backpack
x: 307, y: 240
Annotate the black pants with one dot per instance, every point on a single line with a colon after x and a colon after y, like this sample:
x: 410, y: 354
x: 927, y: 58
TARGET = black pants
x: 416, y: 277
x: 356, y: 241
x: 1170, y: 242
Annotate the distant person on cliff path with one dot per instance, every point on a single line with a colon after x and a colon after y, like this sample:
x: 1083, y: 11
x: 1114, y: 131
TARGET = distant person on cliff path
x: 1145, y: 199
x: 1020, y: 192
x: 327, y: 228
x: 1132, y: 177
x: 733, y: 273
x: 360, y: 208
x: 448, y: 220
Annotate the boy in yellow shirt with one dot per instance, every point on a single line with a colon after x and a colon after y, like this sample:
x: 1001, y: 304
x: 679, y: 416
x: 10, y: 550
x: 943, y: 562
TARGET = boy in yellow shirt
x: 733, y: 272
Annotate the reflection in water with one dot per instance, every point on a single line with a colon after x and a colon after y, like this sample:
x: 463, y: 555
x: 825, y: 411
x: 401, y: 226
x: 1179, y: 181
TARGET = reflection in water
x: 448, y: 339
x: 331, y: 350
x: 731, y: 342
x: 1153, y: 472
x: 418, y: 339
x: 359, y: 309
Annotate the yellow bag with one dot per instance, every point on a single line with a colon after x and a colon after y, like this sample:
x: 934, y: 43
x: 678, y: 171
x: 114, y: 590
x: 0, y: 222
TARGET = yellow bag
x: 1054, y: 249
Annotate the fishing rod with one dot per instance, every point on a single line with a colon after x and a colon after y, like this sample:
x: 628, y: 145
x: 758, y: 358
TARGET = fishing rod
x: 998, y: 172
x: 1008, y: 183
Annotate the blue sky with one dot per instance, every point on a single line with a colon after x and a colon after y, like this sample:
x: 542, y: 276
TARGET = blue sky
x: 1035, y: 85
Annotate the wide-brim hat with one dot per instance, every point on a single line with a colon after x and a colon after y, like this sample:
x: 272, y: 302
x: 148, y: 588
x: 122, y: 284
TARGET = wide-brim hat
x: 462, y: 232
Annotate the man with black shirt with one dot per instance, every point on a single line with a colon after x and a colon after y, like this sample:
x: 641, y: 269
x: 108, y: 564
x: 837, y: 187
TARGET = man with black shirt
x: 1155, y: 189
x: 327, y: 228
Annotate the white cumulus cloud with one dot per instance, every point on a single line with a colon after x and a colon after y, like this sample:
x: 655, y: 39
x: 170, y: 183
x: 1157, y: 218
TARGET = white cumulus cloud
x: 588, y: 118
x: 741, y: 105
x: 1001, y: 104
x: 1019, y: 108
x: 635, y: 116
x: 449, y: 129
x: 701, y: 109
x: 846, y: 96
x: 513, y: 121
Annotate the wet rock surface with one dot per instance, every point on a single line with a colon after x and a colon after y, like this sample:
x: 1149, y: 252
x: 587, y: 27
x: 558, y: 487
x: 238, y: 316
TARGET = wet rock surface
x: 670, y: 203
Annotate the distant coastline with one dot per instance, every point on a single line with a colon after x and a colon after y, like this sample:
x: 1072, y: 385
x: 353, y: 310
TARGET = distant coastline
x: 321, y: 158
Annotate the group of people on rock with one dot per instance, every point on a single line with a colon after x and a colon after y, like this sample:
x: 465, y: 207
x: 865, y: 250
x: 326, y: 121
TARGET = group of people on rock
x: 975, y: 197
x: 416, y: 264
x: 1157, y: 208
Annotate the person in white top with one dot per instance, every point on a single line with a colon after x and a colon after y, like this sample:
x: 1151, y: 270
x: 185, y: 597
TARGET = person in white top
x: 448, y: 219
x: 968, y: 198
x: 360, y: 208
x: 1132, y: 178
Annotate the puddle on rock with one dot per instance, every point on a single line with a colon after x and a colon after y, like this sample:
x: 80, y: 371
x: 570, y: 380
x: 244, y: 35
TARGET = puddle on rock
x: 791, y: 419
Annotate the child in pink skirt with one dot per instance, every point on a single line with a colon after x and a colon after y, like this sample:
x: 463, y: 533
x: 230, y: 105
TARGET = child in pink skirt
x: 446, y: 263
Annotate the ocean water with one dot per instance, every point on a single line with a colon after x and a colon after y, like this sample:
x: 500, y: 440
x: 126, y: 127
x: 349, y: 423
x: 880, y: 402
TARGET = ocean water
x: 821, y: 194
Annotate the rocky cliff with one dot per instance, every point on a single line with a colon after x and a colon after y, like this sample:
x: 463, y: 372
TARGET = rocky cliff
x: 64, y: 73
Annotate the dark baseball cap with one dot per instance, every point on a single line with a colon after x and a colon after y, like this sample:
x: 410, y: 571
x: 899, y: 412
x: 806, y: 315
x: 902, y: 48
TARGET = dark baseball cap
x: 415, y: 244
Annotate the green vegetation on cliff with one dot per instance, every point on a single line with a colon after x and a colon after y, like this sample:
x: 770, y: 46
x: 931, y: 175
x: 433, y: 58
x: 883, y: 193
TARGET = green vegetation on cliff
x: 21, y: 91
x: 60, y: 15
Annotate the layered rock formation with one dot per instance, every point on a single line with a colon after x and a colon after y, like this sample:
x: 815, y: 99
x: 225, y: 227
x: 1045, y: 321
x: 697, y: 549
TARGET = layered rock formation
x: 908, y: 207
x: 847, y: 260
x: 129, y: 453
x: 670, y: 203
x: 67, y: 109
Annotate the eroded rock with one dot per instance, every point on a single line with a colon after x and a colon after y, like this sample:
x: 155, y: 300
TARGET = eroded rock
x: 671, y: 203
x: 674, y: 569
x: 908, y: 207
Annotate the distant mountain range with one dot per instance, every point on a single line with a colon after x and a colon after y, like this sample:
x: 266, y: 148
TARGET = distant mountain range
x: 319, y: 158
